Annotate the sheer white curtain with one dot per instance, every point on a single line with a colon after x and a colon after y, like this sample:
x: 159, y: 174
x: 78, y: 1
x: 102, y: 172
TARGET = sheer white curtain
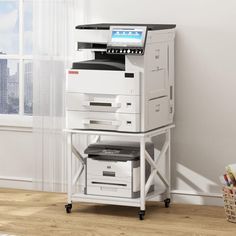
x: 54, y: 47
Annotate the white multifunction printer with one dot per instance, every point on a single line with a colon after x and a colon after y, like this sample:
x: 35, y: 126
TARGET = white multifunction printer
x: 126, y: 82
x: 113, y: 169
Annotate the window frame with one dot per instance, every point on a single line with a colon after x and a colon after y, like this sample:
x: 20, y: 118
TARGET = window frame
x: 20, y: 119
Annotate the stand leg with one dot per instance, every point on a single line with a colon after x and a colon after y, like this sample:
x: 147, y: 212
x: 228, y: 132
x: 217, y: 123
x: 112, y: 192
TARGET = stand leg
x: 168, y: 191
x: 142, y: 178
x: 169, y: 166
x: 69, y: 170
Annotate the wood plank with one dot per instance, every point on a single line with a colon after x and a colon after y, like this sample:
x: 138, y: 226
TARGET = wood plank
x: 38, y: 213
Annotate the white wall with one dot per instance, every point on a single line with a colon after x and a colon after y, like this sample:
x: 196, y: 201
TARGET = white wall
x: 205, y: 135
x: 17, y: 164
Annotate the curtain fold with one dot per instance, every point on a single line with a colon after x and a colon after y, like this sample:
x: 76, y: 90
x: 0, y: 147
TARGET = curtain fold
x: 54, y: 48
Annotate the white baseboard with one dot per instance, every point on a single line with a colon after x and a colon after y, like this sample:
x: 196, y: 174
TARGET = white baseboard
x: 197, y: 198
x: 29, y: 184
x: 16, y: 182
x: 50, y: 187
x: 195, y: 193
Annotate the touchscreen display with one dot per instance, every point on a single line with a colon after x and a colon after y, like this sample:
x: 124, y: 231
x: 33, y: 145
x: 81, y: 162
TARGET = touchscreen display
x: 127, y: 37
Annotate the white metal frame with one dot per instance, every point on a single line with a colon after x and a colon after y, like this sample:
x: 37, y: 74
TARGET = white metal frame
x: 18, y: 118
x: 144, y: 187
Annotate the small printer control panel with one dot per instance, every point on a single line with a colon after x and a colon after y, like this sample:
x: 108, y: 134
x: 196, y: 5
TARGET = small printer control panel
x: 127, y: 40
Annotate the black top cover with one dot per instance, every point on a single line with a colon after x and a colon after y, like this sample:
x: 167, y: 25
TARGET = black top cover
x: 119, y: 151
x: 106, y: 26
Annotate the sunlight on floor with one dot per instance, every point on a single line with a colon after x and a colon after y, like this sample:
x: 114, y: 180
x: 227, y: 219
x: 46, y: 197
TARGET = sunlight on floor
x: 26, y: 211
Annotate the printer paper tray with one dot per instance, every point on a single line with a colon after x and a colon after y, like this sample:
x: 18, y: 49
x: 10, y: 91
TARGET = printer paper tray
x: 103, y: 121
x: 114, y: 187
x: 106, y: 190
x: 107, y: 103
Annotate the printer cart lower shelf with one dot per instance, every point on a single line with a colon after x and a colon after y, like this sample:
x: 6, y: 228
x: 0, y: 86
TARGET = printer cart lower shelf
x: 133, y: 202
x: 146, y: 181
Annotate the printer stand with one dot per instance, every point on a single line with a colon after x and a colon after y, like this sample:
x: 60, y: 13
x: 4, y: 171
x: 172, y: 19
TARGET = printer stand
x: 144, y: 185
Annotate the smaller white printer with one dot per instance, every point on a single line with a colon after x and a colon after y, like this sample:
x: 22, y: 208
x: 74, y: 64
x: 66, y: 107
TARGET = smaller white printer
x: 113, y: 169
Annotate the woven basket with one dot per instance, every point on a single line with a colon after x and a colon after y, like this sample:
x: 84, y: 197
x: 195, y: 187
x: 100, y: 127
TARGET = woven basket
x: 229, y: 196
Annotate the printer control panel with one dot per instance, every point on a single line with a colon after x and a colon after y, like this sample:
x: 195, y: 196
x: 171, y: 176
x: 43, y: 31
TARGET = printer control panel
x: 136, y: 51
x: 127, y: 40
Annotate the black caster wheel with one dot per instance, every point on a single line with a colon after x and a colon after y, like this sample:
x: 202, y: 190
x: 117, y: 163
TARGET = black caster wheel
x: 167, y: 202
x: 68, y: 208
x: 141, y: 215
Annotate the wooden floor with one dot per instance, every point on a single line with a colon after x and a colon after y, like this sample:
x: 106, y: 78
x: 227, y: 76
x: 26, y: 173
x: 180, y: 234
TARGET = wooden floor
x: 36, y: 213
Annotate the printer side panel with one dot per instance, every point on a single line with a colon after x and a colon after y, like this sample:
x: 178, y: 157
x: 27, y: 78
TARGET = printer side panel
x: 156, y: 69
x: 158, y: 59
x: 172, y: 77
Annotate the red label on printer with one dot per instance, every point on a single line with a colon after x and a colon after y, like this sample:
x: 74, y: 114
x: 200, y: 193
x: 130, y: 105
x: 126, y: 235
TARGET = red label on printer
x: 73, y: 72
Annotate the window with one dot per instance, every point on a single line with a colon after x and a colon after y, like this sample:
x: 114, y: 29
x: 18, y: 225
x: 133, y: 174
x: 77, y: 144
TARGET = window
x: 16, y: 88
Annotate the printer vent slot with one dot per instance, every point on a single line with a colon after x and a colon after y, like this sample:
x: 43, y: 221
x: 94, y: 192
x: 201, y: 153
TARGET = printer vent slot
x: 109, y: 173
